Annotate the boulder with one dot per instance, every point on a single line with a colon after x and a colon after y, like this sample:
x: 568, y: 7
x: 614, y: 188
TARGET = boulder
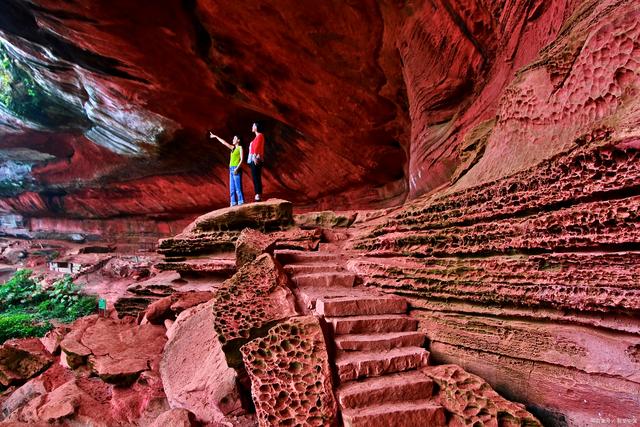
x: 251, y: 244
x: 115, y: 350
x: 83, y: 401
x: 74, y: 353
x: 194, y: 370
x: 217, y: 231
x: 52, y: 339
x: 120, y: 350
x: 21, y: 359
x: 176, y: 418
x: 472, y: 401
x: 252, y: 300
x: 168, y: 308
x: 325, y: 219
x: 291, y: 376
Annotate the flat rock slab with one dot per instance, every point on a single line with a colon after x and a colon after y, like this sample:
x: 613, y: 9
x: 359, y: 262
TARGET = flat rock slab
x: 21, y: 359
x: 362, y: 305
x: 358, y: 364
x: 310, y: 294
x: 404, y: 386
x: 271, y: 214
x: 287, y: 256
x: 120, y: 351
x: 421, y: 413
x: 372, y: 324
x: 379, y: 342
x: 209, y: 266
x: 116, y: 350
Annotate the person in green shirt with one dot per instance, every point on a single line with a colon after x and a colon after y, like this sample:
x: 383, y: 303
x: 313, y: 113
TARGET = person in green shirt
x: 235, y: 171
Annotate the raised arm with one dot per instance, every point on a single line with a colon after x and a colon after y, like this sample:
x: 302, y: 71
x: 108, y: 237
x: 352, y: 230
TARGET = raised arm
x: 222, y: 141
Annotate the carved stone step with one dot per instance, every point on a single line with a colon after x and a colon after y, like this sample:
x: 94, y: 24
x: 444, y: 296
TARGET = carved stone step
x: 358, y: 364
x: 329, y: 279
x: 372, y: 324
x: 404, y: 386
x: 361, y: 305
x: 379, y: 342
x: 417, y: 413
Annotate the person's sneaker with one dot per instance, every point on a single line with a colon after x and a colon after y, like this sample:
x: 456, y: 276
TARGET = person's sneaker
x: 257, y: 198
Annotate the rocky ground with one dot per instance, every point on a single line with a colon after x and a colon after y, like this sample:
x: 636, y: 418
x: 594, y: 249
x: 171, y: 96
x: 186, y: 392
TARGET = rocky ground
x: 234, y: 338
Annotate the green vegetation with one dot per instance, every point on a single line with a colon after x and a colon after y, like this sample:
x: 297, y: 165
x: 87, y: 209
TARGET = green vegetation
x: 26, y: 308
x: 25, y: 98
x: 18, y: 91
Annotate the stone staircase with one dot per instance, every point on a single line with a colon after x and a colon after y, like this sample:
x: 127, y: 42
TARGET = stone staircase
x: 378, y: 350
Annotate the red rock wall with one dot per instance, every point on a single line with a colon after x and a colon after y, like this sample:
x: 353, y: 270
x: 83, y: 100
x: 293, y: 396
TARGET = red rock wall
x: 530, y: 281
x: 363, y: 103
x: 525, y: 269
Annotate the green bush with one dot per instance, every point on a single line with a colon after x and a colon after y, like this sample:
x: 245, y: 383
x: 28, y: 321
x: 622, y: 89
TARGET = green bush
x: 26, y: 308
x: 66, y: 302
x: 21, y: 325
x: 20, y: 291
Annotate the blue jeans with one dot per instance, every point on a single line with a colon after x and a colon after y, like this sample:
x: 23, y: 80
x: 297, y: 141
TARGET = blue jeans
x: 235, y: 186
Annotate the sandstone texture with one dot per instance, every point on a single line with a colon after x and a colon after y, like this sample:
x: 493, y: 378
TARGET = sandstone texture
x: 194, y: 370
x: 218, y: 231
x: 472, y: 401
x: 117, y: 351
x: 499, y: 141
x: 175, y: 418
x: 290, y: 375
x: 252, y: 300
x: 413, y: 89
x: 22, y: 359
x: 106, y: 375
x: 251, y: 244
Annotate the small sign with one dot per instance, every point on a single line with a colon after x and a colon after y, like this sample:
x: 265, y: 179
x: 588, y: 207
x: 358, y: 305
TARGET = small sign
x: 102, y: 304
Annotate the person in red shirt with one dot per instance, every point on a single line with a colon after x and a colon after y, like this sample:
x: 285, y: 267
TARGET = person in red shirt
x: 256, y: 160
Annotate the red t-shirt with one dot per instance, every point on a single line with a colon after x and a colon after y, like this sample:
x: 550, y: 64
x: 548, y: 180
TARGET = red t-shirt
x: 257, y: 146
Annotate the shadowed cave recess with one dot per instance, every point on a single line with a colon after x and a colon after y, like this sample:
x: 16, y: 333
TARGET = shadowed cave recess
x: 484, y: 154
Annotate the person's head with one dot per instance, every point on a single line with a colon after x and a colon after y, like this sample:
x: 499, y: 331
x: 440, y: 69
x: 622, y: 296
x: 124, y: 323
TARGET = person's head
x: 236, y: 141
x: 256, y: 127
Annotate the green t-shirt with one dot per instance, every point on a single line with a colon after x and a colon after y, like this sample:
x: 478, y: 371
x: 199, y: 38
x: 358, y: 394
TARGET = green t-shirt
x: 235, y: 156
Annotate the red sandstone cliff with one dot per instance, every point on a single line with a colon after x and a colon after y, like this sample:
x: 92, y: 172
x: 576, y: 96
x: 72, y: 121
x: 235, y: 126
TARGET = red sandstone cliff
x: 364, y: 103
x: 522, y: 115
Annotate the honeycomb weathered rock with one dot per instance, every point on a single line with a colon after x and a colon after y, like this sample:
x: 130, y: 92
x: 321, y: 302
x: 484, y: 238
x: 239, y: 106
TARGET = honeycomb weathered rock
x: 290, y: 375
x: 250, y: 301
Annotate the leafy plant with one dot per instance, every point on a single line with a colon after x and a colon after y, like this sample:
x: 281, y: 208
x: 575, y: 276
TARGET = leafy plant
x: 20, y: 290
x: 26, y: 308
x: 21, y: 325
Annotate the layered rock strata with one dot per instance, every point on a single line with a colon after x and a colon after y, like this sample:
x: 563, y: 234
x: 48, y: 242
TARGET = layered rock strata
x: 535, y: 272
